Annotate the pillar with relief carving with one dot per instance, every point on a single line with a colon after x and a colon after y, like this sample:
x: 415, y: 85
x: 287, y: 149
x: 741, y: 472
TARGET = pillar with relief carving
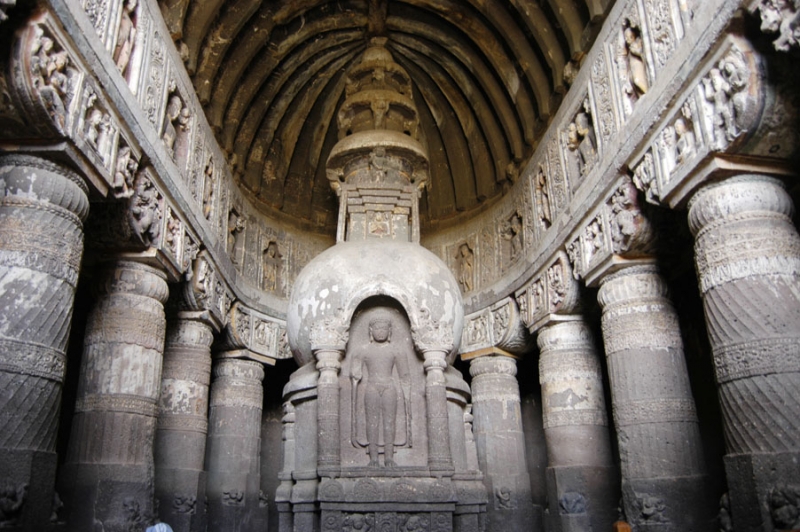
x: 183, y: 423
x: 42, y: 208
x: 582, y: 480
x: 661, y: 454
x: 234, y: 444
x: 108, y: 476
x: 747, y: 254
x: 501, y: 442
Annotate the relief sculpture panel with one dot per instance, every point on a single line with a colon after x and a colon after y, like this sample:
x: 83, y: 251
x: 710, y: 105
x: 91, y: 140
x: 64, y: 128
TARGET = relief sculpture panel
x: 382, y: 391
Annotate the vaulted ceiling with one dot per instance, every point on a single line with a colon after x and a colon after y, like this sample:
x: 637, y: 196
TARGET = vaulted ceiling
x: 486, y: 74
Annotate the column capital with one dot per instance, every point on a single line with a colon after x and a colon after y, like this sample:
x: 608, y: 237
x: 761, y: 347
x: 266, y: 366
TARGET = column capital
x: 631, y: 283
x: 35, y: 178
x: 738, y: 198
x: 131, y: 277
x: 494, y: 364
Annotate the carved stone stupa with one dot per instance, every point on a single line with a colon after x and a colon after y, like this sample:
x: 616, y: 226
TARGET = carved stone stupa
x: 374, y: 323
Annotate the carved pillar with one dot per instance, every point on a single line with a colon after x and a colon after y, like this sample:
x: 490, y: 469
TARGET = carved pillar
x: 663, y: 471
x: 109, y: 471
x: 439, y: 458
x: 180, y: 443
x: 42, y: 207
x: 329, y: 458
x: 234, y: 442
x: 283, y: 495
x: 747, y: 254
x: 501, y: 442
x: 582, y: 481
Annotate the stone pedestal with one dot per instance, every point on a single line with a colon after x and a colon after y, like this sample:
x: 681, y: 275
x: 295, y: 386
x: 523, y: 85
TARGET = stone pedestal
x: 182, y: 424
x: 42, y: 206
x: 582, y: 481
x: 234, y: 443
x: 747, y: 254
x: 501, y: 443
x: 108, y: 477
x: 662, y: 465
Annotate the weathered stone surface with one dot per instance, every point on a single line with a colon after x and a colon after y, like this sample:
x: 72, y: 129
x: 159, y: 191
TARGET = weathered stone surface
x: 108, y: 475
x: 180, y: 440
x: 42, y: 207
x: 234, y: 444
x: 661, y: 459
x: 747, y: 254
x: 582, y: 480
x: 500, y: 442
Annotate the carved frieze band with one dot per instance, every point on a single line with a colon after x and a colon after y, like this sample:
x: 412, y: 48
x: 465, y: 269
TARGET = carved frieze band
x: 647, y: 325
x: 120, y: 325
x: 26, y: 358
x: 182, y: 422
x: 32, y: 246
x: 131, y: 404
x: 663, y: 410
x: 751, y: 251
x: 759, y: 357
x: 574, y: 417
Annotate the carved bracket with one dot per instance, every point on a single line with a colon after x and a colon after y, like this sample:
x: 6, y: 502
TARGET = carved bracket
x: 264, y: 337
x: 551, y: 295
x: 614, y: 234
x: 713, y: 117
x: 498, y: 327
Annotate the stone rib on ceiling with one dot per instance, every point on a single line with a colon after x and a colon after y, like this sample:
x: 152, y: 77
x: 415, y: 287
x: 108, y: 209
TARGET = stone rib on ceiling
x: 486, y: 75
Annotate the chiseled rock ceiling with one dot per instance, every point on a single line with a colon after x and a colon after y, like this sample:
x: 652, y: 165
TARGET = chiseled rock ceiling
x: 487, y: 75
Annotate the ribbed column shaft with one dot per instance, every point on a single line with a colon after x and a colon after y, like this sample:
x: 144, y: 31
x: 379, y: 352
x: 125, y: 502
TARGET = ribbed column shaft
x: 661, y: 454
x: 747, y: 255
x: 583, y: 485
x: 183, y: 424
x: 501, y: 442
x: 42, y: 208
x: 234, y: 443
x: 109, y: 470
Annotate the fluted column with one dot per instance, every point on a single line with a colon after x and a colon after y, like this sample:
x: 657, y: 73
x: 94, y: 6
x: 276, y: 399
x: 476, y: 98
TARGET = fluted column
x: 439, y: 458
x: 501, y: 442
x: 747, y: 253
x: 582, y: 481
x: 183, y: 423
x: 234, y: 443
x: 42, y: 208
x: 662, y: 465
x: 109, y: 471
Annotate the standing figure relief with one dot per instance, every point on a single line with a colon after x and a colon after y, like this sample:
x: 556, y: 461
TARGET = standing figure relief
x: 383, y: 393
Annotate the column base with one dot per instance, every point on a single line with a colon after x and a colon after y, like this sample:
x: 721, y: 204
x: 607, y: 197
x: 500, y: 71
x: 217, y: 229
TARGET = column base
x: 669, y: 504
x: 756, y: 483
x: 181, y: 495
x: 27, y: 480
x: 582, y: 498
x: 236, y: 511
x: 510, y: 508
x: 117, y: 497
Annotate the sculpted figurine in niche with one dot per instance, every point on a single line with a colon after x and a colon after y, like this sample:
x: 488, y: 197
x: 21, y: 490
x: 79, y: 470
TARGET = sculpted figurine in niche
x: 381, y: 357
